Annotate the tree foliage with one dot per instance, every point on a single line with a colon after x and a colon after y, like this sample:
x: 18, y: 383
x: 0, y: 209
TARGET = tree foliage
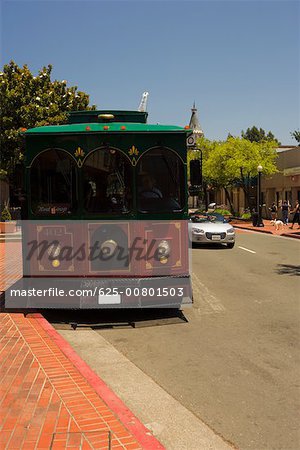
x: 5, y: 214
x: 28, y: 101
x: 296, y: 135
x: 258, y: 135
x: 234, y: 162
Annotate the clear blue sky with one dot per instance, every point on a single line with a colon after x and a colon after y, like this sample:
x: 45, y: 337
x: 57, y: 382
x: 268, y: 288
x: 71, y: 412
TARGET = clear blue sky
x: 238, y: 60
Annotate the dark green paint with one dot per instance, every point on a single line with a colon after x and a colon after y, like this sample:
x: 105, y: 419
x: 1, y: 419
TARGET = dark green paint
x: 141, y: 135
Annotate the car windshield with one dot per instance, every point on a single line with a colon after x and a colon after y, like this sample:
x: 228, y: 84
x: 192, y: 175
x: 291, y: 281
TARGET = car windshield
x: 207, y: 218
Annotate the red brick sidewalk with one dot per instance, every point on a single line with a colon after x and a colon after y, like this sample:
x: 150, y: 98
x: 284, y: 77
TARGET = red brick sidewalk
x: 268, y: 228
x: 10, y: 263
x: 49, y: 398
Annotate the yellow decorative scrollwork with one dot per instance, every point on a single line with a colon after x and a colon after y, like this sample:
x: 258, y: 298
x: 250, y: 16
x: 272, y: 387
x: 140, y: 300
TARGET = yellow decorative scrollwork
x: 79, y: 153
x: 133, y: 152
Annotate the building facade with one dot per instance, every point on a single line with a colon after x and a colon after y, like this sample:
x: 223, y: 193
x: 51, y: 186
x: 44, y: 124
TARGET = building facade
x: 283, y: 185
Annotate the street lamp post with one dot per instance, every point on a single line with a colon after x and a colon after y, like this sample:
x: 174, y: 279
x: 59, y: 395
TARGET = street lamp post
x: 259, y: 203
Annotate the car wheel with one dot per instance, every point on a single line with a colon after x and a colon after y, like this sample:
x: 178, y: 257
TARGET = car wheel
x: 231, y: 245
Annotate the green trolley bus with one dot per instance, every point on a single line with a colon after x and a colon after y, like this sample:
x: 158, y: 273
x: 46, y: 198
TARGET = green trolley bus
x: 106, y: 208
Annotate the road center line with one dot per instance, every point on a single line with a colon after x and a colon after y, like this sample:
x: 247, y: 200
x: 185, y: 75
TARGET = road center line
x: 247, y: 249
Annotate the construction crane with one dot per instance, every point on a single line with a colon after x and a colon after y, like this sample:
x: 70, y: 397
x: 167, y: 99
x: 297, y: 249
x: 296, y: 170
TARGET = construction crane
x: 143, y: 104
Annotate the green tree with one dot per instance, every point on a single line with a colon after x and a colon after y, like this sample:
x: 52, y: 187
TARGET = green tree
x: 258, y: 135
x: 220, y: 170
x: 235, y: 161
x: 28, y: 101
x: 296, y: 135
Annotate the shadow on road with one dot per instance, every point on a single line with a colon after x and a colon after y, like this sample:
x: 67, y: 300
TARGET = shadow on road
x: 101, y: 319
x: 288, y: 269
x: 210, y: 246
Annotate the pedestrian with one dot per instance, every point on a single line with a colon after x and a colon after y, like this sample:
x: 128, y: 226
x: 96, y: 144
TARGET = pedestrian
x: 285, y: 212
x: 273, y: 210
x: 254, y: 218
x: 296, y: 212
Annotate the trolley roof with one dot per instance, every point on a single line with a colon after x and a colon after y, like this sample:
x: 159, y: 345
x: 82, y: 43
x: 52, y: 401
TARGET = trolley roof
x: 110, y: 127
x: 106, y: 121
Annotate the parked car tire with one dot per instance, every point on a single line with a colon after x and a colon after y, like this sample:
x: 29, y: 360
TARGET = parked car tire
x: 231, y: 244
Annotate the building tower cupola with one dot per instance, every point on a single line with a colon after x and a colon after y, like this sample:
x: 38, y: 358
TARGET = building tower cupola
x: 195, y: 124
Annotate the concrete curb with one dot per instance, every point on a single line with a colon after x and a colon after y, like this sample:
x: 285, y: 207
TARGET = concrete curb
x: 290, y: 235
x: 258, y: 229
x: 126, y: 417
x: 261, y: 230
x: 170, y: 422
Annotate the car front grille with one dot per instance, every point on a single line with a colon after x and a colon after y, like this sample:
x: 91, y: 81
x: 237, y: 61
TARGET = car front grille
x: 209, y: 235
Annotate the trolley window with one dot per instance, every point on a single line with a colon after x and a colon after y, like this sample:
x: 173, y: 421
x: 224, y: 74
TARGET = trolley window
x: 53, y: 183
x: 107, y: 182
x: 160, y: 181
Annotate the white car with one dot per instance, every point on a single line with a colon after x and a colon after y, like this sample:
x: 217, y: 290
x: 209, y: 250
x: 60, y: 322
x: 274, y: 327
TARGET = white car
x: 210, y: 228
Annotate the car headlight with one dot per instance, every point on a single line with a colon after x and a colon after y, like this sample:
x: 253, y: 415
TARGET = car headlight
x: 230, y: 231
x: 163, y: 249
x: 198, y: 231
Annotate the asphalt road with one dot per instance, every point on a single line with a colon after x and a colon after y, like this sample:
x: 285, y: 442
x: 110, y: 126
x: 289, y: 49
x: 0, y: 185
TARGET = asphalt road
x: 235, y: 364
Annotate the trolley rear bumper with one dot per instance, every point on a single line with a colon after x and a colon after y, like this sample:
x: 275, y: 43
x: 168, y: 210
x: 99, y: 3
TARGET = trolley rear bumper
x: 99, y: 293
